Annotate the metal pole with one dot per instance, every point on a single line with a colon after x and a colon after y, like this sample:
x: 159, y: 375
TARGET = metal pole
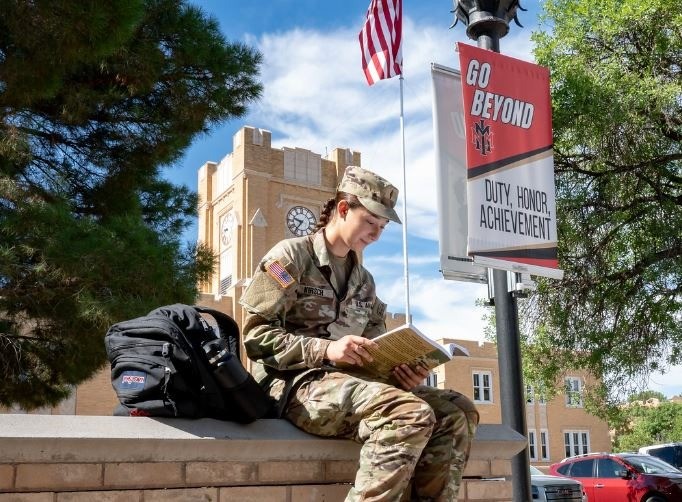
x: 486, y: 27
x: 406, y: 271
x: 511, y: 380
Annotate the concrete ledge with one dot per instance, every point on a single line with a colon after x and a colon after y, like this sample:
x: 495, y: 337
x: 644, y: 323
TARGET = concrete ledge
x: 61, y: 438
x: 68, y: 438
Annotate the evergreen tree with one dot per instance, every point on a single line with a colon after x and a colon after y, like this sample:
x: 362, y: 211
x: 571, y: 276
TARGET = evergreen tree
x: 95, y: 99
x: 617, y: 118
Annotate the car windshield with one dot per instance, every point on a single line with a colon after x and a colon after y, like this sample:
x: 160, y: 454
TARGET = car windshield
x: 534, y: 471
x: 649, y: 465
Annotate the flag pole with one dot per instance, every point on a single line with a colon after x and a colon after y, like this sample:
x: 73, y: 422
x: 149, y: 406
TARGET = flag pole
x: 405, y: 259
x: 381, y: 47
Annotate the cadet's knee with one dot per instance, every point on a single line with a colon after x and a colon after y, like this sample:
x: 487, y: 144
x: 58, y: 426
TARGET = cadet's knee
x: 402, y: 408
x: 461, y: 405
x: 424, y: 412
x: 414, y: 421
x: 469, y: 409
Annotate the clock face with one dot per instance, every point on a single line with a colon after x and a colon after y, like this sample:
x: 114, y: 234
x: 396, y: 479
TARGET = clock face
x: 227, y: 228
x: 301, y: 221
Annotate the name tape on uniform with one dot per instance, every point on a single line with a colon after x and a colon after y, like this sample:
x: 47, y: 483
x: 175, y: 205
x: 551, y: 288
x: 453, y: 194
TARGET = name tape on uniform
x: 316, y: 291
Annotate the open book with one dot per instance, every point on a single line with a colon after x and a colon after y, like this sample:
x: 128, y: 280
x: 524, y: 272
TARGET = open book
x: 406, y: 344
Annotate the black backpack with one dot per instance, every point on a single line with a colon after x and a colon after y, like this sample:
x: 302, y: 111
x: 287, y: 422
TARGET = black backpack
x: 172, y: 363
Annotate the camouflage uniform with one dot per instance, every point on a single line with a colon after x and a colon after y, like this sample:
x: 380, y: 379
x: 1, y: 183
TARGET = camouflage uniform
x: 415, y: 444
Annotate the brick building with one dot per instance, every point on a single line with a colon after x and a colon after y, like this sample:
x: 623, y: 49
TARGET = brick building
x: 248, y: 202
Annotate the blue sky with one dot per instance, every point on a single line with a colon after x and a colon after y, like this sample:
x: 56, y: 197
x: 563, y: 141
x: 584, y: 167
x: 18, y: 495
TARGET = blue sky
x: 316, y: 97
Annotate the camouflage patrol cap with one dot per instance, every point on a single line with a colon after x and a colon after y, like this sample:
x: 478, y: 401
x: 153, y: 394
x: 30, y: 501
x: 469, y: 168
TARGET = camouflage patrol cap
x: 375, y: 193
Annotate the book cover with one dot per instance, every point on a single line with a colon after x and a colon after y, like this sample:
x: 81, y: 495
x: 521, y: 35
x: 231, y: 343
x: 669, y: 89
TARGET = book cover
x: 407, y: 345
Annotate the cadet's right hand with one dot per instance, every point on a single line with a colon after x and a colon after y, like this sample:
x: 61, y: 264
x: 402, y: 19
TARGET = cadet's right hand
x: 350, y: 349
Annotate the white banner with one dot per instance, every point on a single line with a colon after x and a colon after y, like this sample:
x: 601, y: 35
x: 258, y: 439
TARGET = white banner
x: 451, y: 176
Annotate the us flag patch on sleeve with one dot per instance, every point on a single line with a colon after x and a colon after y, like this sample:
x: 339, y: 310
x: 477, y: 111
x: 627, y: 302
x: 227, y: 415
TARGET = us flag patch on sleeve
x: 279, y: 273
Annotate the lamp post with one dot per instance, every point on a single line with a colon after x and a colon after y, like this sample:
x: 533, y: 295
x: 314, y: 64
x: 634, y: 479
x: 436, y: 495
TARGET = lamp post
x: 486, y: 22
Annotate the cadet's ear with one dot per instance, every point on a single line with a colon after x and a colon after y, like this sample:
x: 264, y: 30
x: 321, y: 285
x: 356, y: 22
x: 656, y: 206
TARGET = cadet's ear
x: 342, y: 208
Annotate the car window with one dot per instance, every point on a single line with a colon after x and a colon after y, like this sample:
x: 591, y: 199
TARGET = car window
x: 665, y: 454
x: 563, y: 469
x: 668, y: 454
x: 609, y: 468
x: 649, y: 465
x: 582, y: 469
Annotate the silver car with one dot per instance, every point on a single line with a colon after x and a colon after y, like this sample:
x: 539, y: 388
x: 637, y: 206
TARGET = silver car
x: 555, y: 488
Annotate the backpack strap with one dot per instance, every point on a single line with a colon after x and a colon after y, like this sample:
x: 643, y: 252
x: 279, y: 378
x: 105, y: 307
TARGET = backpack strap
x: 227, y: 327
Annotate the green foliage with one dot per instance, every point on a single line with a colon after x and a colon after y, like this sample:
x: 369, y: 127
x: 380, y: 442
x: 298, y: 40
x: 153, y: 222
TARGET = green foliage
x: 649, y: 425
x: 617, y: 119
x: 95, y: 99
x: 645, y: 395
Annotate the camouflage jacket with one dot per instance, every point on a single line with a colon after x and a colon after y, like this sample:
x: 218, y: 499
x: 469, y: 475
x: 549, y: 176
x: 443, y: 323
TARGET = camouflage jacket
x: 293, y: 312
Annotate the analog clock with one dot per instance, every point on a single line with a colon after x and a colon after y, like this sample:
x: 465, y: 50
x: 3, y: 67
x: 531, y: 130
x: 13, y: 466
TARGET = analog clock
x: 301, y: 221
x: 227, y: 228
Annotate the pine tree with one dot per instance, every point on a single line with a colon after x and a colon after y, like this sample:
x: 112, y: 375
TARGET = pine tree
x: 96, y: 98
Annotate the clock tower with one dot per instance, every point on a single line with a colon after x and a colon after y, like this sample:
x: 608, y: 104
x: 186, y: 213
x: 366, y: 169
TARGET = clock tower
x: 254, y: 197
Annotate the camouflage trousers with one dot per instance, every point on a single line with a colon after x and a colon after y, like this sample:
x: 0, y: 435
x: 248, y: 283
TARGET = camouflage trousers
x: 415, y: 444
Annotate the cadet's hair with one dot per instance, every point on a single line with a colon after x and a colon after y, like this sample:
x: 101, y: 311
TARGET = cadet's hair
x: 330, y: 207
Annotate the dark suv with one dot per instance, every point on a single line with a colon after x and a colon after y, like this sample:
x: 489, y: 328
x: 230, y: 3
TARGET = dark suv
x: 670, y: 452
x: 620, y: 477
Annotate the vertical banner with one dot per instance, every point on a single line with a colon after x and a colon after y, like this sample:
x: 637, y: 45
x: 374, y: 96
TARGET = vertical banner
x: 510, y: 163
x: 451, y: 177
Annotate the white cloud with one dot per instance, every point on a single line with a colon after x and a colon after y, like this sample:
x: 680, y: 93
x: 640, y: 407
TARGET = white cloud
x: 669, y: 383
x: 312, y: 100
x: 440, y: 308
x: 316, y: 97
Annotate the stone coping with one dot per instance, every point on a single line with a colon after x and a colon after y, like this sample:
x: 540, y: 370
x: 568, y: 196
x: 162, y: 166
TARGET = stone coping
x: 76, y: 438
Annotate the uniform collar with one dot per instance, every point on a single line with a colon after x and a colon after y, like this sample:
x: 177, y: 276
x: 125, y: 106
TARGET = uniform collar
x: 322, y: 253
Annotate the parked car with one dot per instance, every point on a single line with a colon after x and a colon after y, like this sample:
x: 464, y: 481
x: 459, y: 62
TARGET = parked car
x: 620, y: 477
x: 670, y: 452
x: 546, y: 487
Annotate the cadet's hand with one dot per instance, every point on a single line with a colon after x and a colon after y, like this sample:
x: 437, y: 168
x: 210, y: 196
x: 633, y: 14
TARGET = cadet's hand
x: 350, y: 349
x: 409, y: 377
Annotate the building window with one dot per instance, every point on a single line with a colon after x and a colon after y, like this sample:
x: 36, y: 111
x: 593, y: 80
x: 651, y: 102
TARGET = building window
x: 225, y: 272
x: 483, y: 391
x: 530, y: 394
x: 576, y: 442
x: 574, y: 395
x: 541, y: 397
x: 532, y: 449
x: 544, y: 445
x: 225, y: 284
x: 431, y: 380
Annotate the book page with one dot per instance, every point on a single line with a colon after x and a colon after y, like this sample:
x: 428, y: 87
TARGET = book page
x: 405, y: 346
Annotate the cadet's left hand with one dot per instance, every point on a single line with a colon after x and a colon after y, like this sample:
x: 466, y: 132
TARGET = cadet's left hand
x: 409, y: 377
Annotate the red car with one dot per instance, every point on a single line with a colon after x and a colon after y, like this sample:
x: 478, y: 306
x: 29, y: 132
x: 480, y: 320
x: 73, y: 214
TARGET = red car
x: 623, y: 477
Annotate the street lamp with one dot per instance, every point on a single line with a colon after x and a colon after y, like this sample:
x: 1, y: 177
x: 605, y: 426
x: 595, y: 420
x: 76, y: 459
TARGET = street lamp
x: 486, y: 22
x: 486, y: 19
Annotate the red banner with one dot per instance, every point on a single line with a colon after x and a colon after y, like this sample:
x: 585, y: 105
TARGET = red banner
x: 510, y: 167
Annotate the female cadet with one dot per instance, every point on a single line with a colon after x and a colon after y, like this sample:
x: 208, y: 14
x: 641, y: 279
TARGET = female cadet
x: 310, y: 305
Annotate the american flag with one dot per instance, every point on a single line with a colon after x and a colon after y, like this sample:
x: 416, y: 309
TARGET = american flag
x: 279, y: 273
x: 381, y: 40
